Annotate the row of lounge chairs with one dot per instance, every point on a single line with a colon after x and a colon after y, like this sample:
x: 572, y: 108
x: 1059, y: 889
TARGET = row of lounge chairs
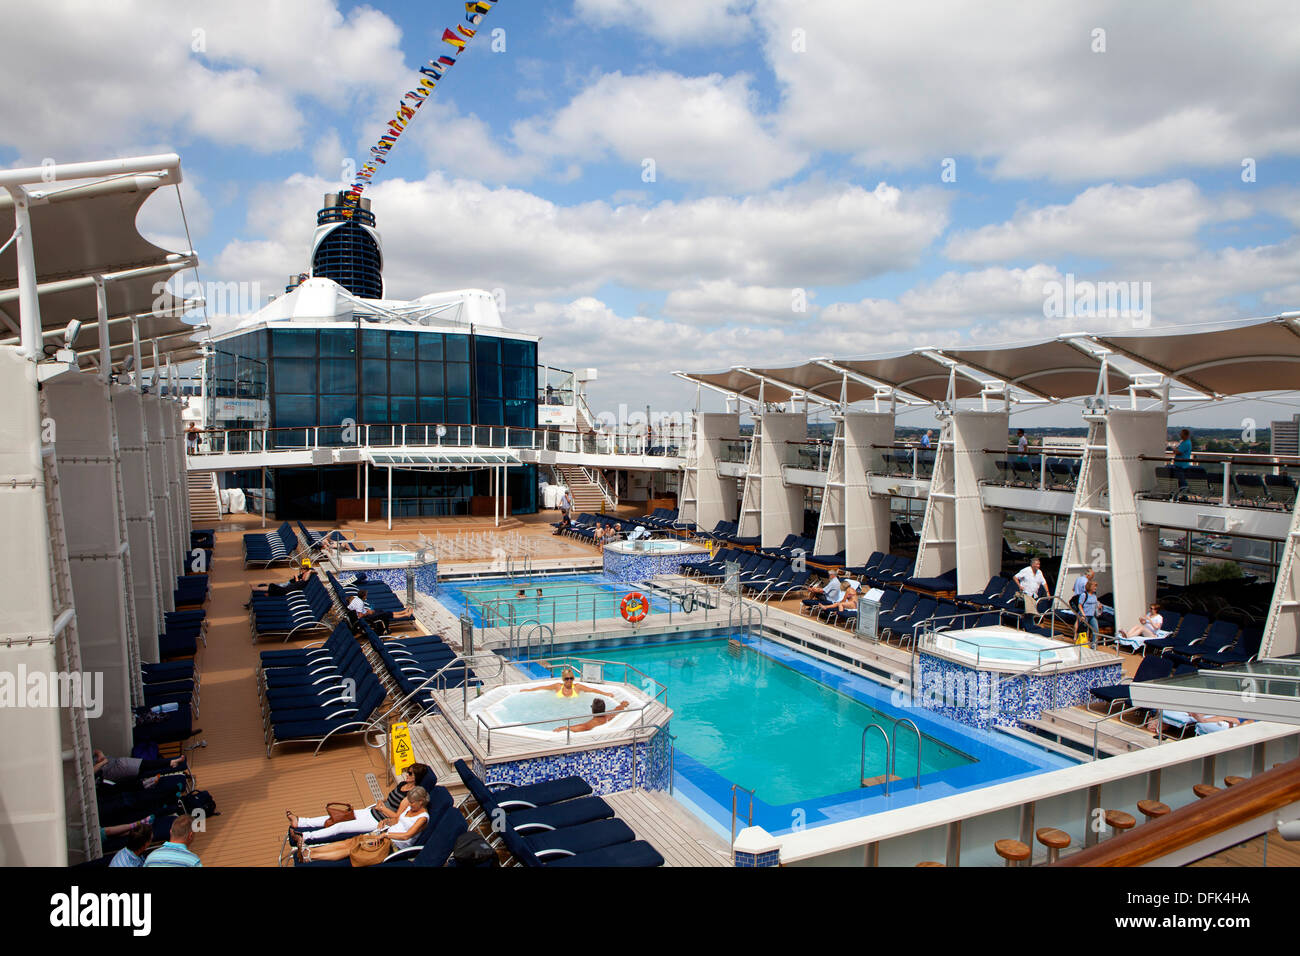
x: 558, y: 823
x: 665, y: 519
x: 771, y: 578
x: 1027, y: 471
x: 316, y: 694
x: 1196, y: 483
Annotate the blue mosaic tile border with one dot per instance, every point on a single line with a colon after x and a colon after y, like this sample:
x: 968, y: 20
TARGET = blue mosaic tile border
x: 984, y: 699
x: 606, y: 769
x: 753, y: 860
x: 426, y: 578
x: 642, y: 567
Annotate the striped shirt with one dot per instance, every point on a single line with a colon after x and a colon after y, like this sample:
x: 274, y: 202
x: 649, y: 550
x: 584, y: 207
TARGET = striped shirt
x: 172, y: 854
x: 124, y: 857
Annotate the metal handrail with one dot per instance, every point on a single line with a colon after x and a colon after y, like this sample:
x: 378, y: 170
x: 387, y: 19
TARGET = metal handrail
x: 862, y: 756
x: 734, y: 788
x: 893, y: 752
x: 1096, y: 725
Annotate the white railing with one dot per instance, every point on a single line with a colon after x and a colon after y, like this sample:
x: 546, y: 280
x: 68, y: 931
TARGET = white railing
x: 669, y: 442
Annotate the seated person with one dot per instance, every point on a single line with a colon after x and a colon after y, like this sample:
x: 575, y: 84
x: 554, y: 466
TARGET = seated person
x: 341, y: 543
x: 365, y: 820
x: 296, y: 583
x: 598, y: 717
x: 568, y: 687
x: 365, y: 612
x: 849, y: 602
x: 1203, y: 723
x: 639, y: 533
x: 564, y: 525
x: 132, y: 769
x: 829, y: 593
x: 1148, y: 625
x: 138, y: 837
x: 402, y: 831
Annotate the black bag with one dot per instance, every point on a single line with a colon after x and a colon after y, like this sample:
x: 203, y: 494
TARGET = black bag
x: 472, y: 850
x: 199, y: 800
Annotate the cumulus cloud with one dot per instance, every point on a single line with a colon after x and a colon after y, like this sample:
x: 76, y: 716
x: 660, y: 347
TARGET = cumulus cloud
x: 1109, y: 221
x: 451, y: 233
x: 238, y: 73
x: 698, y: 129
x: 1020, y: 88
x: 674, y: 22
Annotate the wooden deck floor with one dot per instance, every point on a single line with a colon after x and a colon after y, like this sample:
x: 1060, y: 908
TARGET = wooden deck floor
x: 251, y: 791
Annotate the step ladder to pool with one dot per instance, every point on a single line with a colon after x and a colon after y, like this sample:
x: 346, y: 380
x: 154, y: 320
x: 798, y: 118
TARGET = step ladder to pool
x: 891, y: 753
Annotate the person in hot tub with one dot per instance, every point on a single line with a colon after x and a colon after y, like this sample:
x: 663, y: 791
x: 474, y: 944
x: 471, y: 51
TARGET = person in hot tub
x: 598, y: 717
x: 568, y: 687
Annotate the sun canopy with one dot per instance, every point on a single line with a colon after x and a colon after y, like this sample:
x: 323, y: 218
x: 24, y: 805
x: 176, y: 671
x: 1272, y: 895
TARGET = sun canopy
x: 1256, y: 355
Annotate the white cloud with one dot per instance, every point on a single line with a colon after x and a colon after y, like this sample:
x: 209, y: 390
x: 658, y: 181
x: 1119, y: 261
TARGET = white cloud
x: 93, y: 76
x: 721, y: 300
x: 451, y: 233
x: 1109, y: 221
x: 674, y: 22
x: 1018, y: 86
x: 701, y: 129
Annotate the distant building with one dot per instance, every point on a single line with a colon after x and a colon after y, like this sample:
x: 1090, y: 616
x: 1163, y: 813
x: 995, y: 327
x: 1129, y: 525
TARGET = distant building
x: 1286, y: 437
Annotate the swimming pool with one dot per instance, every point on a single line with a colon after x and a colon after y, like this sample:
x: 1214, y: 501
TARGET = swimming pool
x: 758, y: 714
x: 562, y: 599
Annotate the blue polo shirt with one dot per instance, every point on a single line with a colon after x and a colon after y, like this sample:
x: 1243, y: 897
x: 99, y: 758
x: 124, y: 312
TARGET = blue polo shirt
x: 172, y: 854
x: 125, y: 857
x: 1183, y: 454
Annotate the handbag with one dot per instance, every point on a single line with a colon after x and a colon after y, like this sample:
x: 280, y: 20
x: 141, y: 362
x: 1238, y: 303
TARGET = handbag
x: 340, y: 812
x: 369, y: 849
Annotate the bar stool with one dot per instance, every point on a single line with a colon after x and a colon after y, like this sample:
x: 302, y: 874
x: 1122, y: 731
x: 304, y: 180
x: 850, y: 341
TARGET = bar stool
x: 1232, y: 780
x: 1013, y: 851
x: 1120, y: 821
x: 1153, y: 808
x: 931, y: 863
x: 1203, y: 790
x: 1055, y: 840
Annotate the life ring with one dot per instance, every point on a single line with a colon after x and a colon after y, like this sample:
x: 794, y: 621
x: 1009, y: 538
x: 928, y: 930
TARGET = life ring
x: 634, y: 607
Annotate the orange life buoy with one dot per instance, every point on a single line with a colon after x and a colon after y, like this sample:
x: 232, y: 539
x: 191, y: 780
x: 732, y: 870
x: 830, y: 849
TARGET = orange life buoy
x: 634, y: 607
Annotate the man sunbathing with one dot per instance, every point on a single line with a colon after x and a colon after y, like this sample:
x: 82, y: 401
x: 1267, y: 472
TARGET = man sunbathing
x: 1204, y: 723
x: 598, y: 717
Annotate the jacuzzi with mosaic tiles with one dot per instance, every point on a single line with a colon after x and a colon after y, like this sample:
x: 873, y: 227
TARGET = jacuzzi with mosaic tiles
x: 642, y: 560
x: 390, y: 567
x: 998, y: 676
x: 536, y: 711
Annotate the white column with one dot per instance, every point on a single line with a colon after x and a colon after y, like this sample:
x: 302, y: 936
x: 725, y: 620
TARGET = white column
x: 978, y: 531
x: 1133, y: 548
x: 781, y: 505
x: 33, y: 825
x: 88, y: 485
x: 715, y: 493
x: 853, y: 520
x: 937, y: 550
x: 133, y: 454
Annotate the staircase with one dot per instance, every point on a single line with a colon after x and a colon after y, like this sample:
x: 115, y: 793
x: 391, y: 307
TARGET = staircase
x: 587, y: 495
x: 205, y: 503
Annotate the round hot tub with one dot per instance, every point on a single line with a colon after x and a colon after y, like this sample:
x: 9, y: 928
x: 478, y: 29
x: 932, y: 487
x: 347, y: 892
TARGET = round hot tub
x: 525, y: 710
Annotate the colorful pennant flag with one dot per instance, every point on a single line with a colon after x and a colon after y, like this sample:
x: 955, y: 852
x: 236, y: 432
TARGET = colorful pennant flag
x: 410, y: 103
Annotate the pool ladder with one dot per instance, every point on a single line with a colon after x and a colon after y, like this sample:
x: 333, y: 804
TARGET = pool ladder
x: 891, y: 751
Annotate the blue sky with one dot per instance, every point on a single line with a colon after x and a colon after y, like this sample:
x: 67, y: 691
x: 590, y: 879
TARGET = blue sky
x: 796, y: 146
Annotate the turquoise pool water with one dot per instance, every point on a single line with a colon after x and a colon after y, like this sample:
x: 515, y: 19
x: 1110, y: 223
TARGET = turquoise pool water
x: 761, y: 724
x: 560, y: 600
x: 1003, y: 648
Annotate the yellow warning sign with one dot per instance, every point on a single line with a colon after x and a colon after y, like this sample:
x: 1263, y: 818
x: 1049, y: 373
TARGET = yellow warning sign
x: 400, y: 747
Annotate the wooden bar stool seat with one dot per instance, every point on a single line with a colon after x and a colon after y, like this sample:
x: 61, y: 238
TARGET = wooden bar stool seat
x: 931, y: 863
x: 1152, y: 808
x: 1013, y: 851
x: 1232, y: 780
x: 1203, y: 790
x: 1120, y: 821
x: 1055, y: 840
